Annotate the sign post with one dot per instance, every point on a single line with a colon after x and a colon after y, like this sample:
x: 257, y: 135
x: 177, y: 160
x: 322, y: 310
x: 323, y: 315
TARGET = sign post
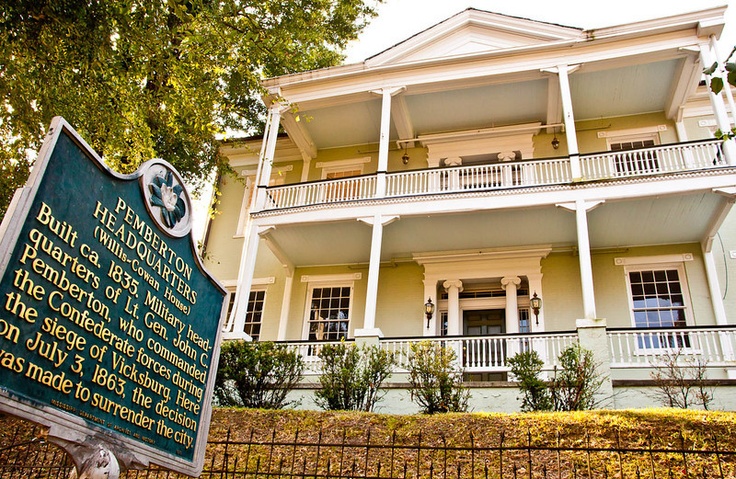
x: 109, y: 324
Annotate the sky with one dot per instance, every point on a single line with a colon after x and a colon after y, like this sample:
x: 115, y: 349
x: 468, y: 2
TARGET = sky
x: 400, y: 19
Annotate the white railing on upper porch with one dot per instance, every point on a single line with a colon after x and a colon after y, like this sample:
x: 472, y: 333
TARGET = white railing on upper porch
x: 653, y: 161
x: 497, y: 176
x: 632, y: 348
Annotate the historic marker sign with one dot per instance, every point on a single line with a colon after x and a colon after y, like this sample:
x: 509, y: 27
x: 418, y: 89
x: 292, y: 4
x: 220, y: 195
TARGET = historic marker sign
x: 109, y: 325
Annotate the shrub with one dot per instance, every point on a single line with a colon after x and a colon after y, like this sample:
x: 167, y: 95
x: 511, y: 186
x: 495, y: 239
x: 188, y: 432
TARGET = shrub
x: 351, y: 376
x: 681, y: 380
x: 576, y: 382
x: 527, y: 367
x: 256, y: 374
x: 435, y: 380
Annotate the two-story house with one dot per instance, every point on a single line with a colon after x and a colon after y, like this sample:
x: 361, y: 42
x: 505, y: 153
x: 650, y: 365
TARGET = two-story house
x: 498, y: 184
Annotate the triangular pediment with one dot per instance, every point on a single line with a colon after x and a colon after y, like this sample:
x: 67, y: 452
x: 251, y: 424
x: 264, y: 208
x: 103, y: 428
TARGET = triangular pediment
x: 473, y: 31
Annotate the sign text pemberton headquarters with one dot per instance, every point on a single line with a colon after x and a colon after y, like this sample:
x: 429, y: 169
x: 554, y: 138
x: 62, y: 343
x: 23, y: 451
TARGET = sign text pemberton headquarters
x: 109, y: 324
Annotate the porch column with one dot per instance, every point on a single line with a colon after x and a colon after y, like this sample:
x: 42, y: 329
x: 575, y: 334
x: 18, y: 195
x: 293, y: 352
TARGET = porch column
x: 383, y: 145
x: 453, y: 288
x: 234, y: 325
x: 267, y: 156
x: 510, y: 284
x: 724, y: 74
x: 707, y: 58
x: 569, y: 119
x: 371, y: 297
x: 581, y: 208
x: 715, y: 290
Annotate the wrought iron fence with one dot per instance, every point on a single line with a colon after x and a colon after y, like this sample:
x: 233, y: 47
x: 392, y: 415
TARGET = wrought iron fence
x: 354, y: 454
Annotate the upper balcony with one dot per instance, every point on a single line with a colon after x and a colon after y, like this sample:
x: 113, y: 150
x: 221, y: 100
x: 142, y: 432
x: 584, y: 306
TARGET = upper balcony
x: 661, y: 161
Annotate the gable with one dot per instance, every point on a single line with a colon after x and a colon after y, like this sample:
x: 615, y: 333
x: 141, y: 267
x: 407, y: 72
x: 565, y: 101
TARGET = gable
x: 473, y: 31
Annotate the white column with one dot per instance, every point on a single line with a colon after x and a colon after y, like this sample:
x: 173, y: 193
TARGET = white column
x: 245, y: 281
x: 371, y: 297
x: 267, y: 158
x: 234, y: 328
x: 285, y: 303
x: 581, y: 208
x: 719, y: 107
x: 716, y: 297
x: 383, y: 144
x: 453, y: 288
x: 374, y: 266
x: 722, y: 72
x: 510, y: 284
x: 569, y: 120
x: 586, y: 266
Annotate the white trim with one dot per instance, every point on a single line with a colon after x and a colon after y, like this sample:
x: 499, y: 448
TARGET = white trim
x: 346, y: 282
x: 653, y: 260
x: 660, y: 264
x: 343, y: 164
x: 262, y: 281
x: 325, y: 278
x: 277, y: 170
x: 647, y: 130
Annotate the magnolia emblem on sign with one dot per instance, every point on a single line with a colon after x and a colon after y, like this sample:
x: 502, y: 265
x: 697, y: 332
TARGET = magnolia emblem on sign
x: 167, y: 195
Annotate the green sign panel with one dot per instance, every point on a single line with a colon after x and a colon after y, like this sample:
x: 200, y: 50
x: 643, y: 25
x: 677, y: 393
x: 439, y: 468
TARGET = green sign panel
x: 107, y: 316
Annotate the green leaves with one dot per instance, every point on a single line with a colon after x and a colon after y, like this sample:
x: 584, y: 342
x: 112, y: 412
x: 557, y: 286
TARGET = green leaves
x: 435, y: 379
x: 351, y: 376
x: 256, y: 374
x: 716, y: 82
x: 156, y: 78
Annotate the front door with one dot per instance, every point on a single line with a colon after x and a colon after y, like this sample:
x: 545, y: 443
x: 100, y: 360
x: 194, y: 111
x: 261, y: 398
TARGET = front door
x: 486, y: 352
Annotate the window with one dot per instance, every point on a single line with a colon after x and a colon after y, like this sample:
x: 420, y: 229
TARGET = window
x: 329, y: 315
x: 254, y: 314
x: 252, y: 324
x: 658, y: 301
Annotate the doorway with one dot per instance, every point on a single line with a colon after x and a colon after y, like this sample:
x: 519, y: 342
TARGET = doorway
x: 485, y: 322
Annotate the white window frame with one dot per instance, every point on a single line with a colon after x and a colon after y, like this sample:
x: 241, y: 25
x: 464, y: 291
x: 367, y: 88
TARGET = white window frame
x: 231, y: 286
x: 328, y: 281
x: 259, y: 289
x: 659, y: 263
x: 331, y: 167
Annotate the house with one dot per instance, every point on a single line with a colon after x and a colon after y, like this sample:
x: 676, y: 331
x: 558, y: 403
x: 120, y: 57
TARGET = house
x: 482, y: 165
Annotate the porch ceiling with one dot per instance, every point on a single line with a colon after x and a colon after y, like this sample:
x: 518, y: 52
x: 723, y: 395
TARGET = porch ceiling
x: 597, y: 92
x: 647, y: 221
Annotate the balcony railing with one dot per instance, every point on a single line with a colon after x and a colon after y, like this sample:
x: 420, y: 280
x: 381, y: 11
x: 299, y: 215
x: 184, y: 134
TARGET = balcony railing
x: 498, y: 176
x: 632, y: 348
x: 714, y: 347
x: 476, y: 353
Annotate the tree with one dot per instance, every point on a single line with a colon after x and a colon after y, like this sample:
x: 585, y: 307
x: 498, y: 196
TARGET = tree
x: 527, y: 369
x: 681, y: 380
x: 576, y: 383
x: 256, y: 374
x: 352, y: 376
x: 140, y: 79
x: 435, y: 380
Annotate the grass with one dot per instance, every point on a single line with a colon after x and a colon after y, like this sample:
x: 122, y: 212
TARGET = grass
x: 384, y: 445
